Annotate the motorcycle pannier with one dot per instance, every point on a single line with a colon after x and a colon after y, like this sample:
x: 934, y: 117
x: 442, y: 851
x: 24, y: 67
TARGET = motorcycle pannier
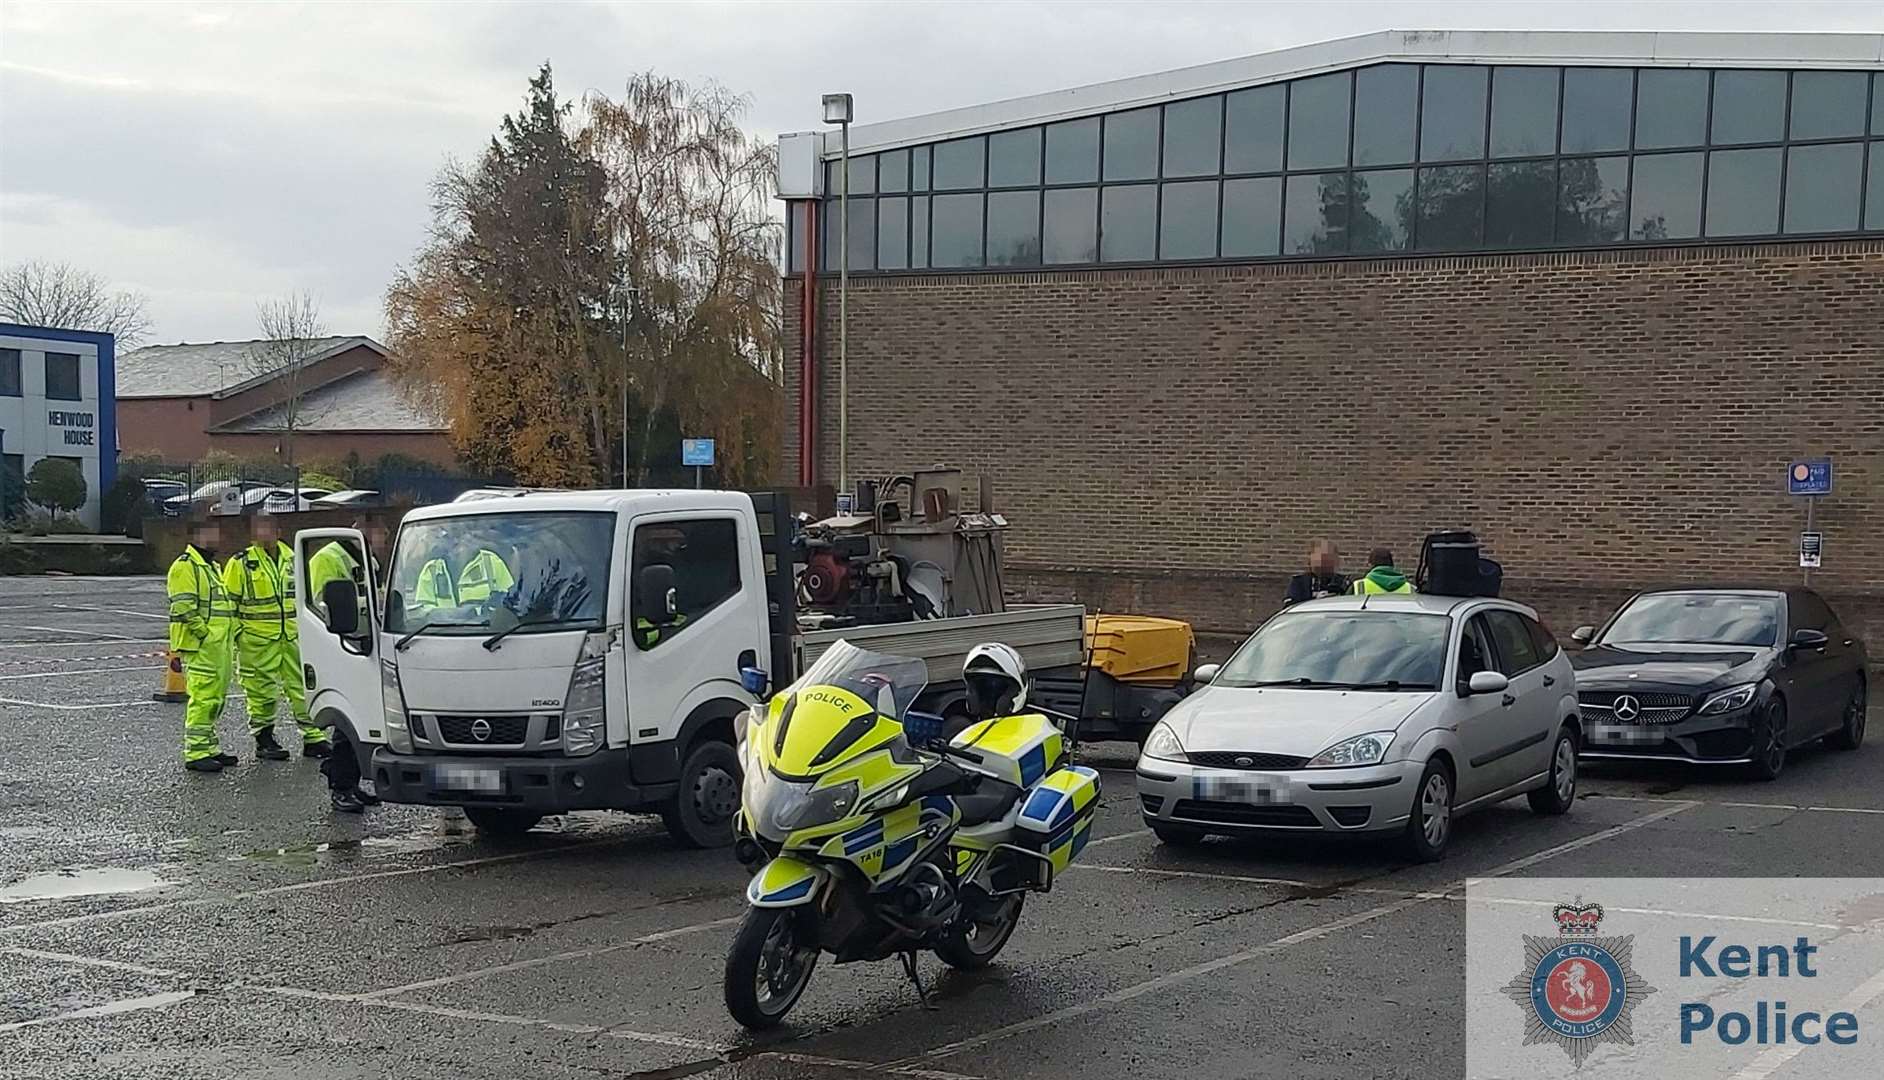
x: 1056, y: 820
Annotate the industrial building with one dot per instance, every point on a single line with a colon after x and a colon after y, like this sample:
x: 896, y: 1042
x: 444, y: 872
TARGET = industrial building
x: 56, y: 400
x: 1588, y: 294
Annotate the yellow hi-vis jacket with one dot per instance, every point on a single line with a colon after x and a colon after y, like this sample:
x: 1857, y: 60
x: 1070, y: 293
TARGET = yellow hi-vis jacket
x: 263, y: 591
x: 200, y: 612
x: 484, y: 576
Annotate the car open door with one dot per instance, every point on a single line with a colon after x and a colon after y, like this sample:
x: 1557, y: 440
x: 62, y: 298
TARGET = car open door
x: 339, y: 661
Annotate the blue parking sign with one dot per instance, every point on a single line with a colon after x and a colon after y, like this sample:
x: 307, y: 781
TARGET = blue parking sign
x: 696, y: 452
x: 1810, y: 476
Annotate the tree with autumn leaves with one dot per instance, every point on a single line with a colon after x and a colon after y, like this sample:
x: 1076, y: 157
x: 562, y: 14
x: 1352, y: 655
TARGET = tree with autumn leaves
x: 625, y: 245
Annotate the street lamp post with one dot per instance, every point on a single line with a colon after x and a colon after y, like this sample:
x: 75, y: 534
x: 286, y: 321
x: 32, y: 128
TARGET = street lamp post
x: 837, y: 110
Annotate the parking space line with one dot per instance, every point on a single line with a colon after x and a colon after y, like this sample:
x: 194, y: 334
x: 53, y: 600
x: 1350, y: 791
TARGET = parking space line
x: 553, y: 958
x: 81, y: 633
x: 109, y: 610
x: 1313, y: 933
x: 1287, y: 883
x: 82, y: 671
x: 88, y: 961
x: 1744, y: 805
x: 76, y: 708
x: 109, y: 1008
x: 1117, y: 836
x: 75, y: 644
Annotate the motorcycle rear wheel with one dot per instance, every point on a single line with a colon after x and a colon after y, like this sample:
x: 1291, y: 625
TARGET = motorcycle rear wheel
x: 766, y: 967
x: 975, y: 946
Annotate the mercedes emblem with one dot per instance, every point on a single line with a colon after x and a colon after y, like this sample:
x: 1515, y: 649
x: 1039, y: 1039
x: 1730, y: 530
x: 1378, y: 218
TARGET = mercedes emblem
x: 481, y: 729
x: 1627, y: 707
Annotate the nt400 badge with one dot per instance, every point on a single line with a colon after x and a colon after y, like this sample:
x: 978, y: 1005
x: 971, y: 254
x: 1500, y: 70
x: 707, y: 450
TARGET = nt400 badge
x: 1578, y: 990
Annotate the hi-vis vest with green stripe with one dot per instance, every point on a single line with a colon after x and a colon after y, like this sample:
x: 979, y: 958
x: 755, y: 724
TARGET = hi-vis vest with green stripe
x: 200, y: 611
x: 261, y: 584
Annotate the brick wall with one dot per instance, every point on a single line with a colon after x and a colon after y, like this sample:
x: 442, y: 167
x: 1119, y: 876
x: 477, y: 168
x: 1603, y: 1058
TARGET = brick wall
x: 1170, y: 439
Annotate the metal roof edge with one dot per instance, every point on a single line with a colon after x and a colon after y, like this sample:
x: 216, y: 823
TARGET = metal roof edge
x: 1635, y: 48
x: 351, y: 342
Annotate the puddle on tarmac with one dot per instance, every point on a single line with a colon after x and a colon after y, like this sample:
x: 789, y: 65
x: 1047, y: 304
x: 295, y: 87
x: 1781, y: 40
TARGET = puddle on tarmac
x: 80, y: 881
x: 439, y: 835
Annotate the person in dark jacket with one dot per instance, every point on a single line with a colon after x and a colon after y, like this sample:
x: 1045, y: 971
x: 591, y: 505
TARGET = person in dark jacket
x: 1323, y: 577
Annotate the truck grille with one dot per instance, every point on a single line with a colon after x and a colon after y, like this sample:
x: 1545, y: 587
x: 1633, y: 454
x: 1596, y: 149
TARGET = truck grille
x: 504, y: 730
x: 1243, y: 759
x: 1655, y: 708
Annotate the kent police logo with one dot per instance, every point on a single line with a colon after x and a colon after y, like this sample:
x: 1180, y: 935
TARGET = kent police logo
x: 1578, y: 990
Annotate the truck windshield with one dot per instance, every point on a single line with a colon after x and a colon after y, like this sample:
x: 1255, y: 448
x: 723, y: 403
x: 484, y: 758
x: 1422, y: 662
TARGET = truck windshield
x: 479, y: 573
x: 1342, y: 650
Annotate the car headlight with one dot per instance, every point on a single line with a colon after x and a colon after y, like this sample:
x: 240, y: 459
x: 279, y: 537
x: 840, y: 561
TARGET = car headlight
x: 1162, y: 744
x: 1366, y: 749
x: 393, y: 708
x: 1738, y: 697
x: 585, y: 708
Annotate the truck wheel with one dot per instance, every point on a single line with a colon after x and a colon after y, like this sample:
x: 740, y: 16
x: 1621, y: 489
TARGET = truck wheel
x: 495, y: 821
x: 702, y: 811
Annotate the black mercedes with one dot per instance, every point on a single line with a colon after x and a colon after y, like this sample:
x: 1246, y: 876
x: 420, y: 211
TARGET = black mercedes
x: 1720, y: 677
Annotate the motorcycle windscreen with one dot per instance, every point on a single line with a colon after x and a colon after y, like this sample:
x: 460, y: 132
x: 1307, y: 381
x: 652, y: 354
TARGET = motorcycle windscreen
x: 846, y: 705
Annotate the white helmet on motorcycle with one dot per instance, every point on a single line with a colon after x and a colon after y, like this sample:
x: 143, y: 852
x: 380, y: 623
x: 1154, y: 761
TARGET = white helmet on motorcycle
x: 997, y: 681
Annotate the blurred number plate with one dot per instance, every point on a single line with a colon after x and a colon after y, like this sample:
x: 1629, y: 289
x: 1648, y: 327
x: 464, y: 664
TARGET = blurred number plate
x: 471, y: 778
x: 1250, y: 788
x: 1622, y: 735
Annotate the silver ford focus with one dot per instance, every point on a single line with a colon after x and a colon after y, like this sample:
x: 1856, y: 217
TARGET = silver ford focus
x: 1376, y: 714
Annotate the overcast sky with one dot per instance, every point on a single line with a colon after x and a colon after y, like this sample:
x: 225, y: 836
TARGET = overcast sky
x: 210, y: 154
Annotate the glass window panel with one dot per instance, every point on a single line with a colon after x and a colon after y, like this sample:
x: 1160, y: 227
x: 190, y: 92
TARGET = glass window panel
x: 828, y: 248
x: 1665, y: 197
x: 1520, y: 203
x: 863, y: 176
x: 1822, y: 185
x: 1749, y: 106
x: 892, y: 234
x: 1252, y: 217
x: 1014, y: 158
x: 1318, y: 122
x: 893, y: 171
x: 1315, y: 214
x: 1743, y: 192
x: 955, y: 231
x: 1592, y: 200
x: 1670, y: 108
x: 1128, y: 226
x: 1452, y: 113
x: 1193, y: 137
x: 1596, y: 109
x: 1383, y: 211
x: 1386, y: 103
x: 919, y: 169
x: 1451, y: 208
x: 1072, y: 225
x: 1877, y: 108
x: 1014, y: 228
x: 1874, y: 185
x: 794, y: 238
x: 958, y: 165
x: 1827, y: 104
x: 863, y: 234
x: 1187, y: 221
x: 1524, y: 111
x: 1252, y: 136
x: 1073, y: 152
x: 1131, y: 147
x: 919, y: 232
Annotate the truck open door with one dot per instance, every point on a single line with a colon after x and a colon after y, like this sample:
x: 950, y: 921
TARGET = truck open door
x: 338, y: 621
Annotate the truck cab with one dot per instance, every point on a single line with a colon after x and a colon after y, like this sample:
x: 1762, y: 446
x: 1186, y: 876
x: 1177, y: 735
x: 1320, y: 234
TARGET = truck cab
x: 534, y: 653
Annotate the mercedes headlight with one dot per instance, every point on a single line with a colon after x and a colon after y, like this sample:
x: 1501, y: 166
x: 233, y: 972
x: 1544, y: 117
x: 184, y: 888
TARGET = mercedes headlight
x: 1366, y: 749
x: 1738, y: 697
x: 1162, y: 744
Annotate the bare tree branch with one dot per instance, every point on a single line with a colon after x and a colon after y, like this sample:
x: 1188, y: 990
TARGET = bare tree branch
x: 292, y: 335
x: 57, y: 294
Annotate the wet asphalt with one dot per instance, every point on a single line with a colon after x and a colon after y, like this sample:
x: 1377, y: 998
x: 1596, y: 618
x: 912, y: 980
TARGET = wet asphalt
x: 159, y: 923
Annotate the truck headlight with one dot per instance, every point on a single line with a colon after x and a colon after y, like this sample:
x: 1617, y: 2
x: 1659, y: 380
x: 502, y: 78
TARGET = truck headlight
x: 585, y: 709
x: 393, y: 705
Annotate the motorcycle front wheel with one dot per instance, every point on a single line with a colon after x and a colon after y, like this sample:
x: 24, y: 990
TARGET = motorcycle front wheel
x: 768, y: 966
x: 986, y: 926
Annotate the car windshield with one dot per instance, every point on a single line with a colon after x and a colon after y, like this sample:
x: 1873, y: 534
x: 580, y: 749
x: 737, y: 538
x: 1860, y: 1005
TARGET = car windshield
x: 1375, y: 650
x: 1697, y: 619
x: 478, y: 573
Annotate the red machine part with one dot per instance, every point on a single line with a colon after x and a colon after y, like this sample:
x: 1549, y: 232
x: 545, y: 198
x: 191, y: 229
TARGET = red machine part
x: 827, y: 579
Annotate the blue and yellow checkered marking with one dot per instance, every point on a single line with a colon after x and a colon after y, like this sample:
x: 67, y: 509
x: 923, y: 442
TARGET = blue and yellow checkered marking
x: 783, y: 881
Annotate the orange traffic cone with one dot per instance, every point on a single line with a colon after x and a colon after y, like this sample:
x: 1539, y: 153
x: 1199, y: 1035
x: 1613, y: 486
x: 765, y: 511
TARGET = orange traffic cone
x: 173, y: 689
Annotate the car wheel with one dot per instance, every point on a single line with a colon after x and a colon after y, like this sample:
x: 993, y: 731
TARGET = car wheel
x: 1769, y: 742
x: 1429, y: 827
x: 702, y: 811
x: 1559, y: 792
x: 1851, y: 735
x: 1177, y: 835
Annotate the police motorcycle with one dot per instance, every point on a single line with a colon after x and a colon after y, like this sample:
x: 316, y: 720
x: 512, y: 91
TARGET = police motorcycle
x: 871, y: 834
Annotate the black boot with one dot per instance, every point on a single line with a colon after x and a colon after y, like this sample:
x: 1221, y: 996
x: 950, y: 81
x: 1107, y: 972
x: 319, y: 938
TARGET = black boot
x: 267, y: 748
x: 203, y: 764
x: 228, y: 759
x: 317, y: 749
x: 366, y: 797
x: 347, y: 802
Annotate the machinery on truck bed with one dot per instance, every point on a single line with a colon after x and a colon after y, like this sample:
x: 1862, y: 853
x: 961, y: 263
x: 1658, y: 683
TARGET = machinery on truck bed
x: 533, y: 653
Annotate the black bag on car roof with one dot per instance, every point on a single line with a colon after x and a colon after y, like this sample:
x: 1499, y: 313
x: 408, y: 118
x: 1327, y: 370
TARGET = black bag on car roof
x: 1450, y: 565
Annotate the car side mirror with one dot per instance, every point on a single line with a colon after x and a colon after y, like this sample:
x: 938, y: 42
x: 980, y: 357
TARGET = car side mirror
x: 654, y: 595
x: 1206, y: 673
x: 1809, y: 639
x: 1583, y: 635
x: 341, y: 598
x: 1487, y: 682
